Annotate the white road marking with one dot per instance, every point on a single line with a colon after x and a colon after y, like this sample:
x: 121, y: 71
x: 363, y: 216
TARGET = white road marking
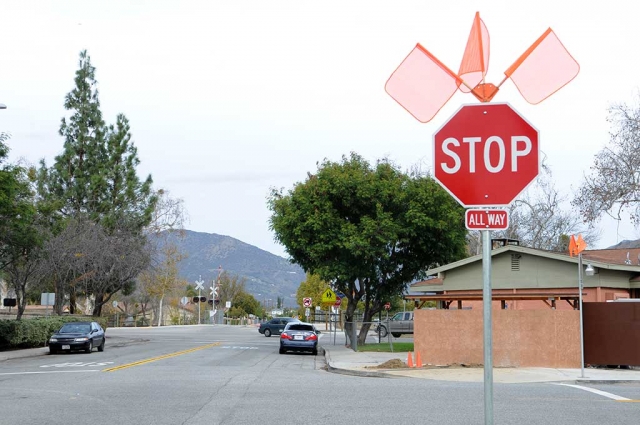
x: 239, y: 348
x: 78, y: 364
x: 52, y: 371
x: 593, y: 390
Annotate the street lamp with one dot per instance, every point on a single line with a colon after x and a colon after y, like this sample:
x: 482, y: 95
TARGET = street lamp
x: 590, y: 271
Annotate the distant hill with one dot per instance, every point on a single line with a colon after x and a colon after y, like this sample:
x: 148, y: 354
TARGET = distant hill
x: 268, y: 276
x: 626, y: 244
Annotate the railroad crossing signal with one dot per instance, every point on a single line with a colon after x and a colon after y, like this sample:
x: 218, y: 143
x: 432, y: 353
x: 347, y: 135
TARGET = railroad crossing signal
x: 199, y: 283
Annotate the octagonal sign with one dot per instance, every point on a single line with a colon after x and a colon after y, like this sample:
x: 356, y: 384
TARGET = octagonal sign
x: 485, y: 155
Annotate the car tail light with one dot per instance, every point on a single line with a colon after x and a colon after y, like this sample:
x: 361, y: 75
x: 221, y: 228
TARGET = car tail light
x: 311, y: 337
x: 285, y: 335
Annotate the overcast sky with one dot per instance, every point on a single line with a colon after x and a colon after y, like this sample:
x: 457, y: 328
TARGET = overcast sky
x: 229, y: 98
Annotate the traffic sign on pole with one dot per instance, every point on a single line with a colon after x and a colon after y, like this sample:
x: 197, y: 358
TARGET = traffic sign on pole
x: 306, y: 302
x: 486, y: 155
x: 338, y: 302
x: 328, y: 297
x: 486, y: 219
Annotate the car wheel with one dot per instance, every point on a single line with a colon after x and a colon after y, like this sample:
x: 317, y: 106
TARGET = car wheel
x: 282, y: 351
x: 89, y: 348
x: 101, y: 346
x: 52, y: 350
x: 315, y: 352
x: 267, y: 332
x: 396, y: 335
x: 383, y: 332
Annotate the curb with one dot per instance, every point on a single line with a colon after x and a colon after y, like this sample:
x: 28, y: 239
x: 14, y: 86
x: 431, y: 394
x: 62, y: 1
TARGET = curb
x: 606, y: 381
x: 350, y: 372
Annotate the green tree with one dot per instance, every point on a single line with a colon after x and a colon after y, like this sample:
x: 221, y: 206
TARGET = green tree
x: 244, y: 303
x: 22, y: 232
x: 368, y: 230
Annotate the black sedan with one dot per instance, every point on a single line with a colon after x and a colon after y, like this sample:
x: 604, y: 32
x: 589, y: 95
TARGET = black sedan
x: 299, y: 336
x: 77, y: 336
x: 274, y: 326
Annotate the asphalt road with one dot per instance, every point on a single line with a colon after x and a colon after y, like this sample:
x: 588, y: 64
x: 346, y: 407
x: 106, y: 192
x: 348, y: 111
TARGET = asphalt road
x: 234, y: 375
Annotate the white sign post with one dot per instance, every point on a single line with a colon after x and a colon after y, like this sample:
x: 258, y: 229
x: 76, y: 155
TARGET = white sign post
x: 199, y: 287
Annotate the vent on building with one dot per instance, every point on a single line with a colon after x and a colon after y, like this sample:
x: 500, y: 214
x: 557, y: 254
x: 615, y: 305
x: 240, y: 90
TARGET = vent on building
x: 515, y: 262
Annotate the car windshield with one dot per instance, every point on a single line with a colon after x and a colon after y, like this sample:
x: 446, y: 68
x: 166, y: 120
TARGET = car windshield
x: 73, y: 328
x: 300, y: 327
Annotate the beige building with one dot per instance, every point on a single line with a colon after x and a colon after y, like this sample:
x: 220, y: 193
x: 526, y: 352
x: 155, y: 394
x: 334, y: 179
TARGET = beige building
x: 535, y: 299
x: 526, y: 278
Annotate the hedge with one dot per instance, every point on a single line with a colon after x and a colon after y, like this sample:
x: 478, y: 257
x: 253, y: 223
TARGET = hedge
x: 29, y: 333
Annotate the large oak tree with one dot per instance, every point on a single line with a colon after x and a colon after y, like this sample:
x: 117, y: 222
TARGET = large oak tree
x: 368, y: 230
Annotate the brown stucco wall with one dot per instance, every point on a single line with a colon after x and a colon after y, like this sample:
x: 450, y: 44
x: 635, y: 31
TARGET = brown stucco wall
x: 521, y: 338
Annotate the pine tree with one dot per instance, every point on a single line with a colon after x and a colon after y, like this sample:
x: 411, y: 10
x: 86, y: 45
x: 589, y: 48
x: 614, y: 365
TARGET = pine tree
x: 76, y: 177
x: 95, y: 175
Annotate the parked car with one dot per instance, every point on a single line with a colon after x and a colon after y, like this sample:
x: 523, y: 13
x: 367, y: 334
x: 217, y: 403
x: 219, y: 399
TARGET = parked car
x: 77, y: 336
x: 400, y: 323
x: 299, y: 336
x: 274, y: 326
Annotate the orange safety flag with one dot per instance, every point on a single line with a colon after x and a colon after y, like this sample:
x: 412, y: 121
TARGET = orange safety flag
x: 543, y: 69
x: 572, y: 246
x: 581, y: 245
x: 475, y: 60
x: 422, y: 84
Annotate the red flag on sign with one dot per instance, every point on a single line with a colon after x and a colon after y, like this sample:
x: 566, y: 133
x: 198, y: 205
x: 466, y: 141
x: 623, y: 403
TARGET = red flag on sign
x: 475, y: 60
x: 543, y: 69
x: 581, y: 245
x: 572, y: 246
x: 422, y: 84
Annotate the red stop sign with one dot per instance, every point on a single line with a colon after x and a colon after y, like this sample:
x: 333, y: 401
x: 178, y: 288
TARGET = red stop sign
x: 486, y: 154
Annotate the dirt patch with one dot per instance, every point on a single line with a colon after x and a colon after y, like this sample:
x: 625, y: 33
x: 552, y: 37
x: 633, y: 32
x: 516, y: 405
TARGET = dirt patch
x: 399, y: 364
x: 390, y: 364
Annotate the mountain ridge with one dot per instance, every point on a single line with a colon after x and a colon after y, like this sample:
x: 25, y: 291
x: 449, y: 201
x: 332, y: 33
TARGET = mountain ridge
x: 268, y: 276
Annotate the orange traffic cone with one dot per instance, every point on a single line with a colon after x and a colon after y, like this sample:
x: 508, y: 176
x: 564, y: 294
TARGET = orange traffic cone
x: 418, y: 359
x: 409, y: 359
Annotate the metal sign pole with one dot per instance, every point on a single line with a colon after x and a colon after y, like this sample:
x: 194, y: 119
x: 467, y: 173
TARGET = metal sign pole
x: 486, y: 309
x: 580, y: 284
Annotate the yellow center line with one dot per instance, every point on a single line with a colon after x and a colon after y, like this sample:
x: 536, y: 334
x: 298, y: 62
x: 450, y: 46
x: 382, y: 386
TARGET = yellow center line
x: 155, y: 359
x: 628, y: 401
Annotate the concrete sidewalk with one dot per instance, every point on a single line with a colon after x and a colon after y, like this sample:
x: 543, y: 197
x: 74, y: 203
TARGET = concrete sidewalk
x: 341, y: 359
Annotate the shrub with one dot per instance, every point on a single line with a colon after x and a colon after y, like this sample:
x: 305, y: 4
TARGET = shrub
x: 28, y: 333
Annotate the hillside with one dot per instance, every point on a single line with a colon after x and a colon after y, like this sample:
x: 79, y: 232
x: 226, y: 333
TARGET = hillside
x: 626, y: 244
x: 268, y: 276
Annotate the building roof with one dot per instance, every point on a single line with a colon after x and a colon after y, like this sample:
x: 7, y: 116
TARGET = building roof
x: 612, y: 259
